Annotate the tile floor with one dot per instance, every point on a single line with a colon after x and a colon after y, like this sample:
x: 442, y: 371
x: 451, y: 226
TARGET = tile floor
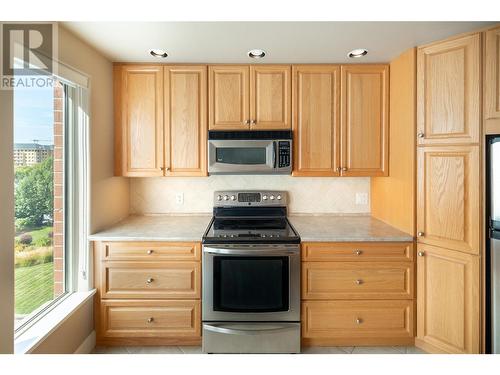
x: 308, y: 350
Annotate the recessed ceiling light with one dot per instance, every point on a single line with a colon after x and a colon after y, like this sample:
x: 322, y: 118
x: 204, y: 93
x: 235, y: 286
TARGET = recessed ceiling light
x: 358, y: 52
x: 158, y: 53
x: 256, y: 53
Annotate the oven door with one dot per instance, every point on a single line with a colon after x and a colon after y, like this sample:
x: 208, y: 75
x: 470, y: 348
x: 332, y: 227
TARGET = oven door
x: 251, y: 283
x: 241, y: 156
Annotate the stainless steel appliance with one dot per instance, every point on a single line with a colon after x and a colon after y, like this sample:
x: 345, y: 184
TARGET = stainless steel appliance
x: 251, y: 275
x: 250, y: 152
x: 493, y: 260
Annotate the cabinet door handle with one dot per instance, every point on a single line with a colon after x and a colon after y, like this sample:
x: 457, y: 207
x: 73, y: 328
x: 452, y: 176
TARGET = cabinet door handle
x: 253, y: 122
x: 246, y: 122
x: 359, y: 281
x: 359, y: 321
x: 150, y: 252
x: 344, y: 169
x: 151, y: 320
x: 358, y: 252
x: 420, y: 135
x: 339, y: 169
x: 421, y: 253
x: 420, y: 234
x: 150, y: 280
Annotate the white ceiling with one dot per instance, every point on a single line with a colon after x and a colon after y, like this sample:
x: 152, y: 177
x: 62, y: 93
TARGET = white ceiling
x: 284, y: 42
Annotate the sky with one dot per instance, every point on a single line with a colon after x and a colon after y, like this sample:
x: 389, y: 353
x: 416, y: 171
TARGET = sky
x: 34, y: 115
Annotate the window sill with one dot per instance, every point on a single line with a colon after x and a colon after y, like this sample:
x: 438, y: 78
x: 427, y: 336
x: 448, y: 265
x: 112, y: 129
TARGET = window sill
x: 34, y: 335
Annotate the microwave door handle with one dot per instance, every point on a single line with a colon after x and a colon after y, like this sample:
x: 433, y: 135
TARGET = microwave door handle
x: 274, y: 154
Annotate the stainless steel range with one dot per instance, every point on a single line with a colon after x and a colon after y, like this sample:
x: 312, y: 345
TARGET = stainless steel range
x: 251, y: 275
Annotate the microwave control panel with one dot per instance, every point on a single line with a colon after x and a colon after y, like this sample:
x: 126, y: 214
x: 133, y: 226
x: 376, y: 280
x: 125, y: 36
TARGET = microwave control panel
x: 284, y: 154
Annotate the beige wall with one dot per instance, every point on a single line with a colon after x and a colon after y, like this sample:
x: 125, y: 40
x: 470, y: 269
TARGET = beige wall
x: 307, y: 195
x: 7, y: 226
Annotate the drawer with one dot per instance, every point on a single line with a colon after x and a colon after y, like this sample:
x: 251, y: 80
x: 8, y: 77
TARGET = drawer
x: 357, y: 251
x: 357, y: 319
x: 154, y: 251
x: 354, y: 280
x: 151, y: 280
x: 154, y: 318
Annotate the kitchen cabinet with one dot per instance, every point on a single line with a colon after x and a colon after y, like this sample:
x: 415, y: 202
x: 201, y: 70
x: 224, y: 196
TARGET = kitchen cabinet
x: 243, y: 97
x: 148, y: 293
x: 448, y: 318
x: 449, y: 91
x: 316, y: 120
x: 492, y: 81
x: 448, y: 203
x: 138, y: 91
x: 357, y: 293
x: 364, y: 120
x: 160, y: 120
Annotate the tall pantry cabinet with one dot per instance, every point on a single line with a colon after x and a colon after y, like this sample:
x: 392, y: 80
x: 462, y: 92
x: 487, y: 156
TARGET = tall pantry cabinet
x: 448, y: 195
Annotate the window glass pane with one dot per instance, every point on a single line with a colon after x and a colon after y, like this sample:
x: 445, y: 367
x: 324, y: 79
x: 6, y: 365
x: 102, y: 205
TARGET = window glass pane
x: 241, y: 155
x: 39, y: 198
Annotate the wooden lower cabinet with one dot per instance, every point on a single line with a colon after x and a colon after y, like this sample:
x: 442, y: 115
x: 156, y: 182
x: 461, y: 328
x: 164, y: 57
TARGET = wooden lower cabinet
x: 148, y: 293
x: 448, y: 316
x: 358, y: 293
x: 327, y: 323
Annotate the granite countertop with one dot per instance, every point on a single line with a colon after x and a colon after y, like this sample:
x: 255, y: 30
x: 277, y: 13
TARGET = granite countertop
x: 156, y: 228
x: 345, y: 228
x: 328, y: 228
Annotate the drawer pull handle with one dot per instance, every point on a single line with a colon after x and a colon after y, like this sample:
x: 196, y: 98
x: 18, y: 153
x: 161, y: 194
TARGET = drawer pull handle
x: 359, y: 321
x: 358, y: 252
x: 420, y: 234
x: 421, y: 253
x: 150, y: 280
x: 150, y: 252
x: 151, y: 320
x: 359, y: 281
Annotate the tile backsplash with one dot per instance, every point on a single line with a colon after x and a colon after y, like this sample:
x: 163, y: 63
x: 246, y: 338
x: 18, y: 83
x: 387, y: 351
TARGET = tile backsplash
x: 307, y: 195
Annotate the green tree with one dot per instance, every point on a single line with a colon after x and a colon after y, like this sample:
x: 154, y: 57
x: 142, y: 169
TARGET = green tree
x: 34, y: 193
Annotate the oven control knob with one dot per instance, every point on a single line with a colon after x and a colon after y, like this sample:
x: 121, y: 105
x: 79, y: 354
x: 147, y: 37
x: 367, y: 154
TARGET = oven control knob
x: 233, y: 197
x: 278, y: 197
x: 219, y: 197
x: 264, y: 197
x: 271, y: 197
x: 226, y: 197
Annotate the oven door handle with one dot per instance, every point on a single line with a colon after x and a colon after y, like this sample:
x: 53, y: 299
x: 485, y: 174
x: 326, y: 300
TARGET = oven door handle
x: 247, y: 332
x: 219, y: 251
x: 274, y: 154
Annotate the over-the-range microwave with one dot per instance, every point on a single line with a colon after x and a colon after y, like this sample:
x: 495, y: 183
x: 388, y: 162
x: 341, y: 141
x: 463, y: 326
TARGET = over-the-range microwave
x: 250, y: 152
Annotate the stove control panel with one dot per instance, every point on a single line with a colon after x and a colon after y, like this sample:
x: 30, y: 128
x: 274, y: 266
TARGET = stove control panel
x: 254, y: 198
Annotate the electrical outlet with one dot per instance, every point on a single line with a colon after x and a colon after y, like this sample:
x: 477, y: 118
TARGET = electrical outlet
x: 179, y: 198
x: 362, y: 198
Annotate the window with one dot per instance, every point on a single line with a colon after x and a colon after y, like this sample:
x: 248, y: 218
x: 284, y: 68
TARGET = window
x: 50, y: 143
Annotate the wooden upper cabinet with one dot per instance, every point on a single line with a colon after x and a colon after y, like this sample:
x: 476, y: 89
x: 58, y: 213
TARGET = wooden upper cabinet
x: 228, y: 97
x: 448, y: 197
x: 448, y: 91
x: 270, y: 97
x: 185, y: 120
x: 138, y: 94
x: 316, y: 120
x: 365, y: 115
x: 492, y: 75
x: 448, y: 318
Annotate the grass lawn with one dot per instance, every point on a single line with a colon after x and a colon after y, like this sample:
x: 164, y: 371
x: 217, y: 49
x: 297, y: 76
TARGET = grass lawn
x: 34, y: 287
x: 36, y: 234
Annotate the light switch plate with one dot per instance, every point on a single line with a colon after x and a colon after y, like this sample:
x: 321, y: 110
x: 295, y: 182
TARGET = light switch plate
x: 362, y: 198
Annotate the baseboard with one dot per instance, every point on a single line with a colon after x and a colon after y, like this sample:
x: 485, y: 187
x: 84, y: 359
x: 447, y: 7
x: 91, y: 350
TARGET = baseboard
x: 149, y: 341
x: 359, y: 341
x: 87, y: 345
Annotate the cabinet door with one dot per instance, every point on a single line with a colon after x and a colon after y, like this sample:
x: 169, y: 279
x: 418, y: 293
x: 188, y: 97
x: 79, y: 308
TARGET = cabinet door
x: 316, y: 120
x: 228, y: 97
x: 185, y: 120
x: 448, y: 303
x: 448, y: 197
x: 448, y: 91
x: 365, y: 113
x: 139, y: 120
x: 492, y: 75
x: 270, y: 97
